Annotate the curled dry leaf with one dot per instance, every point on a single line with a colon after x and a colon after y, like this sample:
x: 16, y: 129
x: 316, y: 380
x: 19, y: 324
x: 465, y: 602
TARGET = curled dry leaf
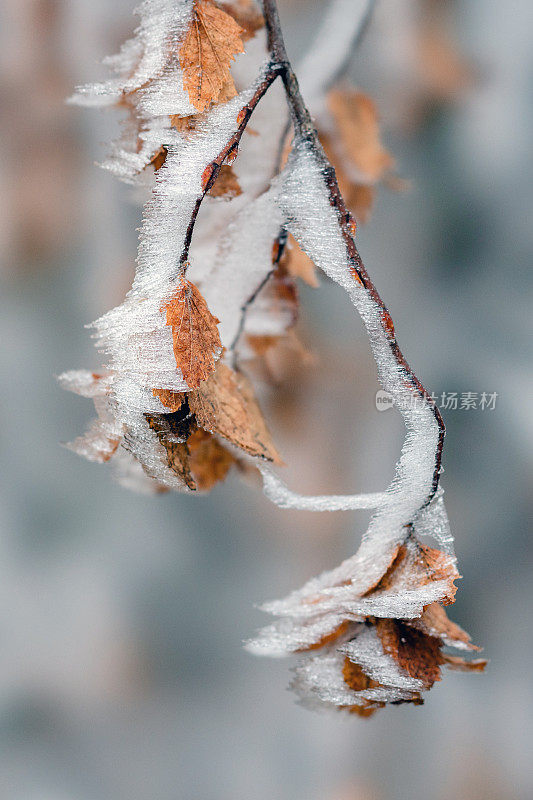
x: 280, y: 359
x: 356, y: 151
x: 416, y: 653
x: 159, y: 157
x: 209, y: 460
x: 226, y: 184
x: 225, y: 404
x: 171, y: 400
x: 355, y: 678
x: 298, y: 264
x: 443, y: 73
x: 357, y: 122
x: 435, y: 622
x: 196, y: 340
x: 462, y: 665
x: 416, y: 565
x: 200, y: 461
x: 172, y: 431
x: 210, y: 45
x: 184, y: 125
x: 247, y: 15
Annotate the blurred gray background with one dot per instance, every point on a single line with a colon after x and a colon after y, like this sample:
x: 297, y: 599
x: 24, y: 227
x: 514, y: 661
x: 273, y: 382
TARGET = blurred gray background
x: 121, y: 616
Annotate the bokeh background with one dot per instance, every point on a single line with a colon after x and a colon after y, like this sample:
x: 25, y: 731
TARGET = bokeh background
x: 122, y: 616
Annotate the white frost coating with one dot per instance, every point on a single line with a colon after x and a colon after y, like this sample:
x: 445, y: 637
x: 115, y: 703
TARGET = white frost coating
x: 329, y: 50
x: 433, y: 521
x: 244, y: 259
x: 367, y: 651
x: 399, y: 604
x: 322, y: 676
x: 144, y: 57
x: 135, y: 335
x: 284, y: 636
x: 277, y: 491
x: 338, y: 594
x: 149, y: 83
x: 313, y: 222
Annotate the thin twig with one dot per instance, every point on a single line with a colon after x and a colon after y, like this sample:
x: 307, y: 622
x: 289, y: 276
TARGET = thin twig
x: 213, y: 168
x: 279, y: 249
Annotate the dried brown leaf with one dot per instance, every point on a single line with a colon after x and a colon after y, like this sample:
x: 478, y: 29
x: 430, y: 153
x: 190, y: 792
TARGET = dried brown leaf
x: 159, y: 157
x: 247, y: 15
x: 462, y: 665
x: 171, y: 400
x: 280, y: 359
x: 227, y: 184
x: 435, y: 622
x: 262, y: 344
x: 438, y: 566
x: 443, y: 72
x: 416, y: 565
x: 209, y: 461
x: 110, y: 450
x: 357, y: 123
x: 200, y: 461
x: 184, y: 124
x: 210, y: 45
x: 196, y: 340
x: 355, y: 678
x: 298, y: 264
x: 169, y: 427
x: 418, y: 654
x: 327, y: 639
x: 225, y: 404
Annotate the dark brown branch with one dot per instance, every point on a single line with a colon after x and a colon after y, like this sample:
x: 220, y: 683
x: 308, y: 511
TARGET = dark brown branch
x: 212, y: 170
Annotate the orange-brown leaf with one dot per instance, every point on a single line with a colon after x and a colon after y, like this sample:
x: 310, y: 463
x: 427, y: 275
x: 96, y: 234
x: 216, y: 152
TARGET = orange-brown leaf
x: 171, y: 400
x: 226, y: 185
x: 210, y: 45
x: 209, y: 461
x: 184, y: 125
x: 355, y: 678
x: 435, y: 622
x: 225, y: 404
x: 327, y: 639
x: 109, y: 451
x: 200, y: 461
x: 443, y: 72
x: 357, y: 123
x: 177, y: 453
x: 159, y: 157
x: 247, y: 15
x: 417, y: 565
x: 196, y: 340
x: 262, y: 344
x: 416, y: 653
x: 298, y: 264
x: 462, y: 665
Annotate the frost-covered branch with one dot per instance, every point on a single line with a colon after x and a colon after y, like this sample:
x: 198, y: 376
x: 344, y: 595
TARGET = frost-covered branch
x: 227, y: 229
